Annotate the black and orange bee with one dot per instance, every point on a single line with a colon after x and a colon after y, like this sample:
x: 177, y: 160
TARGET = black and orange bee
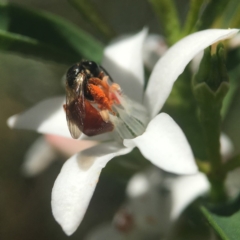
x: 90, y: 95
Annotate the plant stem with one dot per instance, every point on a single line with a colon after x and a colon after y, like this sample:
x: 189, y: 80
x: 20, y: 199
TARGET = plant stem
x: 168, y: 16
x: 217, y: 190
x: 192, y: 17
x: 211, y: 127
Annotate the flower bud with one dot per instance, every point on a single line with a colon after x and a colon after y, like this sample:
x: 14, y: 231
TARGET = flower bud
x: 212, y: 69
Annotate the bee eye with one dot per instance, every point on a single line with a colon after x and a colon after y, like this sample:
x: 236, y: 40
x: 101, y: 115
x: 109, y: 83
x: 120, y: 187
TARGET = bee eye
x: 72, y: 74
x: 92, y: 67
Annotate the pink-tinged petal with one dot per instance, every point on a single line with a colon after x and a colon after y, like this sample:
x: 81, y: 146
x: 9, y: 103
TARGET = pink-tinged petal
x: 68, y: 146
x: 172, y: 64
x: 186, y: 189
x: 39, y: 156
x: 47, y: 116
x: 74, y: 186
x: 165, y: 145
x: 124, y: 62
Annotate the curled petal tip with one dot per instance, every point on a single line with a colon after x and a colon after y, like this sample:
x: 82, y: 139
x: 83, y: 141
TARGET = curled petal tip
x: 11, y: 122
x: 69, y: 230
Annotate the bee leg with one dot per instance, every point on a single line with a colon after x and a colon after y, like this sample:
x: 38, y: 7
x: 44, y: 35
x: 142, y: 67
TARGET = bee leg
x: 65, y: 107
x: 95, y: 81
x: 105, y: 115
x: 98, y: 82
x: 100, y: 97
x: 101, y: 75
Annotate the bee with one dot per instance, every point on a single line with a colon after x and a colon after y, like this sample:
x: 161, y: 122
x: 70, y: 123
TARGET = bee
x: 90, y: 96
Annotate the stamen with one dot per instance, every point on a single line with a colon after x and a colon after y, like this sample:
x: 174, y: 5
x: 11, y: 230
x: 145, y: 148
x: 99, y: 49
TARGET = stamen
x: 128, y: 117
x: 133, y: 109
x: 131, y: 118
x: 99, y: 97
x: 115, y: 87
x: 136, y: 127
x: 105, y: 115
x: 121, y: 128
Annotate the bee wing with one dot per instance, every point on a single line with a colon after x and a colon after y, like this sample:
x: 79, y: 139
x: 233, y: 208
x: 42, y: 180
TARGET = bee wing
x: 73, y: 129
x: 70, y: 97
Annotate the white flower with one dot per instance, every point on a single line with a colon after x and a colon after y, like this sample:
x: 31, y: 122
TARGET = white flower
x: 163, y: 142
x: 154, y: 47
x: 46, y: 149
x: 155, y: 200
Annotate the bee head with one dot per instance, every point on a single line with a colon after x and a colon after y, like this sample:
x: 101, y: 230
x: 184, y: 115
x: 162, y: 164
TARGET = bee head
x: 88, y: 68
x: 72, y: 74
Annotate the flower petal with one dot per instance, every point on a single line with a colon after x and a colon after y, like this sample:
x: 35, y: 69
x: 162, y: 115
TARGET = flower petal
x: 74, y: 186
x: 154, y: 47
x: 165, y: 145
x: 124, y: 62
x: 227, y: 148
x: 186, y: 189
x: 48, y: 117
x: 38, y: 157
x: 68, y: 146
x: 172, y: 64
x: 146, y: 201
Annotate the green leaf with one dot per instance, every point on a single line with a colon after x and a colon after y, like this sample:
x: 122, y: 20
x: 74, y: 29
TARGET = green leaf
x: 213, y: 10
x: 232, y: 65
x: 92, y: 15
x: 230, y: 18
x: 27, y: 46
x: 232, y: 163
x: 168, y: 16
x: 192, y: 17
x: 231, y: 122
x: 51, y: 30
x: 227, y: 227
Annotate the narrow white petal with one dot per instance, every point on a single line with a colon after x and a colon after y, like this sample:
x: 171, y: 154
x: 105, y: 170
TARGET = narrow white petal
x: 165, y: 145
x: 68, y: 146
x: 186, y: 189
x: 227, y: 147
x: 47, y: 116
x: 124, y: 62
x: 172, y: 64
x: 74, y: 186
x: 39, y: 156
x: 154, y: 47
x: 145, y: 202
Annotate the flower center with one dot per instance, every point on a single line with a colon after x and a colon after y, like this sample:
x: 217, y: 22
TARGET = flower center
x: 96, y: 105
x: 128, y: 117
